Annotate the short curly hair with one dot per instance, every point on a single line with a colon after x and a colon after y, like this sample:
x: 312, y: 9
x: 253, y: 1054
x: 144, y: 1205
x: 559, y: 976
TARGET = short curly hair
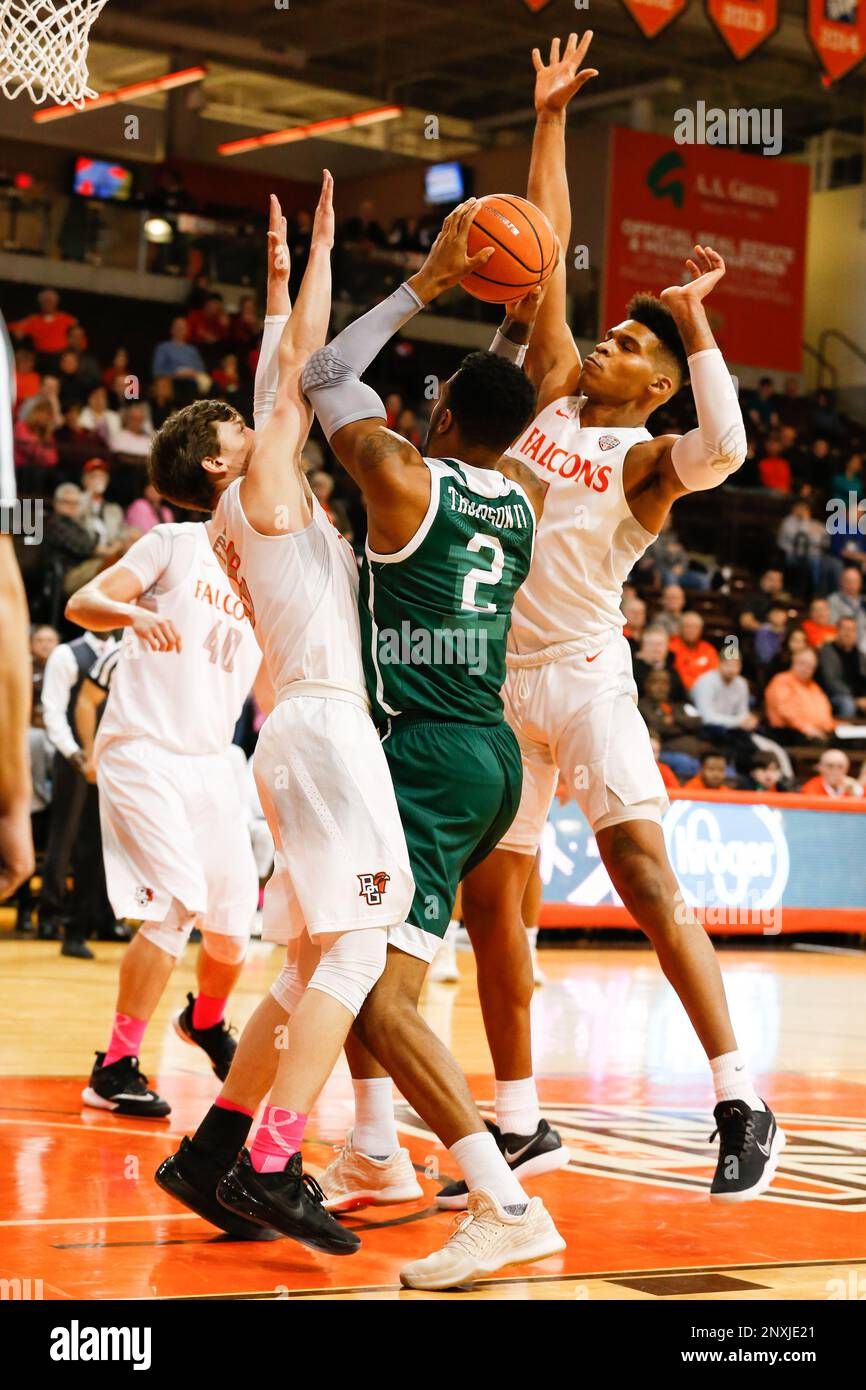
x: 648, y: 310
x: 491, y: 400
x: 187, y: 437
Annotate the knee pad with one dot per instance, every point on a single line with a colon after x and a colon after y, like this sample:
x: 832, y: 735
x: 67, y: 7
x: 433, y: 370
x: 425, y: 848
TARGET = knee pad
x: 288, y: 988
x: 172, y: 933
x: 350, y: 964
x: 228, y: 950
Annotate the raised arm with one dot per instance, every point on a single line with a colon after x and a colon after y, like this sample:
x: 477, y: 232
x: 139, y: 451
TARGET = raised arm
x: 389, y: 470
x: 277, y: 312
x: 274, y: 491
x: 553, y: 358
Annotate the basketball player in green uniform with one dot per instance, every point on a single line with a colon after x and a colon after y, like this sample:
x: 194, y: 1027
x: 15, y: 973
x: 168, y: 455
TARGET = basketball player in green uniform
x: 449, y: 542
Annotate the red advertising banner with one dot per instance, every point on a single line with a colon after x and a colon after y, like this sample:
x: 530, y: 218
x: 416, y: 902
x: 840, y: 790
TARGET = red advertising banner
x: 744, y: 24
x: 652, y: 16
x: 837, y: 32
x: 663, y: 198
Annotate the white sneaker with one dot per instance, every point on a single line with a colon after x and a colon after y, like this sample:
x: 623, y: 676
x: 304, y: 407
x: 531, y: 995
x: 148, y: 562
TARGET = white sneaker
x: 354, y: 1179
x: 444, y: 970
x: 484, y: 1240
x: 538, y: 975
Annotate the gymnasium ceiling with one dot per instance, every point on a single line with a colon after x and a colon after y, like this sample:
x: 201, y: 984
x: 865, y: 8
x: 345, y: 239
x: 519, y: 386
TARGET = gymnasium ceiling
x: 467, y: 61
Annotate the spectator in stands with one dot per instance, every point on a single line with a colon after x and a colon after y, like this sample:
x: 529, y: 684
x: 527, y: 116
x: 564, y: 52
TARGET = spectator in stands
x: 847, y: 533
x: 673, y: 606
x: 712, y: 776
x: 668, y: 776
x: 97, y: 416
x: 48, y: 329
x: 177, y: 357
x: 765, y: 774
x: 73, y: 386
x: 774, y: 470
x: 770, y: 636
x: 299, y: 234
x: 762, y: 405
x: 757, y: 604
x: 795, y: 641
x: 394, y: 405
x: 791, y: 406
x: 322, y: 485
x: 692, y: 654
x: 677, y: 729
x: 842, y: 671
x: 634, y: 612
x: 407, y: 425
x: 209, y: 324
x: 797, y: 708
x: 161, y: 397
x: 813, y: 465
x: 364, y: 229
x: 226, y: 377
x: 832, y: 777
x: 89, y: 371
x: 135, y: 433
x: 847, y: 602
x: 148, y: 510
x: 245, y: 325
x: 721, y: 697
x: 35, y: 451
x: 804, y: 542
x: 75, y: 551
x: 824, y: 416
x: 818, y: 626
x: 849, y: 480
x: 119, y: 366
x: 669, y: 560
x: 405, y: 235
x: 75, y: 444
x: 655, y: 655
x: 102, y: 519
x: 43, y: 640
x: 27, y: 379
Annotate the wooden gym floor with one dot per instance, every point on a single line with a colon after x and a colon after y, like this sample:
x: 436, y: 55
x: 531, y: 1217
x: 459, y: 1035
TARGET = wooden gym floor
x: 620, y: 1074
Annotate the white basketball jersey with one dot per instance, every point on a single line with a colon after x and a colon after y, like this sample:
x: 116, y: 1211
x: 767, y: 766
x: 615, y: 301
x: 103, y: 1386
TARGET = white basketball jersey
x: 588, y: 540
x: 300, y: 593
x: 187, y: 701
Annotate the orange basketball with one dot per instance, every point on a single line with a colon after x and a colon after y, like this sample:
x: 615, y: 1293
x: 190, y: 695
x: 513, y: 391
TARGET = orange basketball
x: 525, y: 248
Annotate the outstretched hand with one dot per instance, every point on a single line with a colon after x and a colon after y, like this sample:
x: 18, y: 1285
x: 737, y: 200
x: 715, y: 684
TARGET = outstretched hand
x: 323, y: 222
x: 706, y: 269
x: 279, y: 261
x: 448, y: 259
x: 557, y: 81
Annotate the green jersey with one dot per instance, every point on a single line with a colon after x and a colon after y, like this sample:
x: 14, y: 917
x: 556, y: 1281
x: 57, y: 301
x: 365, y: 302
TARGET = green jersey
x: 435, y: 615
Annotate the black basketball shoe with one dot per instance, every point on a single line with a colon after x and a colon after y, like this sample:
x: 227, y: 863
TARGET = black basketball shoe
x: 750, y: 1143
x: 290, y: 1201
x: 123, y: 1089
x: 217, y: 1043
x: 191, y: 1176
x: 528, y: 1155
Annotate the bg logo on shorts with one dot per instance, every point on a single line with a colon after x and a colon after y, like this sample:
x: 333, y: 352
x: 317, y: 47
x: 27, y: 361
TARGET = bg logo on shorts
x: 143, y: 896
x: 373, y: 886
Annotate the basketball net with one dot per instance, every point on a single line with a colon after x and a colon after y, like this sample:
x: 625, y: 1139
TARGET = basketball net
x: 43, y: 49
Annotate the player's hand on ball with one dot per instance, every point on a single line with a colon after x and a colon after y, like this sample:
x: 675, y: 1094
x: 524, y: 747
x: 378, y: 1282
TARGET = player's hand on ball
x: 448, y: 259
x: 706, y: 269
x: 525, y: 310
x: 557, y: 81
x: 157, y: 633
x: 279, y: 260
x: 323, y: 222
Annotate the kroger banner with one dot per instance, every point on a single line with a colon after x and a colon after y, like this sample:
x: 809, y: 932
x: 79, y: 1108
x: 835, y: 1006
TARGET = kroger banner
x: 742, y: 865
x: 666, y: 195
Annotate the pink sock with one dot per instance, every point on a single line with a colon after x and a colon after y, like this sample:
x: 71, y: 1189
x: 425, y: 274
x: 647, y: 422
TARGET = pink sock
x: 125, y: 1040
x: 278, y: 1137
x: 207, y: 1011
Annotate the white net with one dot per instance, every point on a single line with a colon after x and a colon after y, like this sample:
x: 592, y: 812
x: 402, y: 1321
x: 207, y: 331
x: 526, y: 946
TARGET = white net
x: 43, y: 48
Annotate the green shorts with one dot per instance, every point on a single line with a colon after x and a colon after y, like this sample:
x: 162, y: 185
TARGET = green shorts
x: 458, y: 789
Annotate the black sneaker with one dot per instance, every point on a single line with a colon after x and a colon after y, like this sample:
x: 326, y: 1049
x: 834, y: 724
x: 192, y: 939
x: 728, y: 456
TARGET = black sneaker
x: 750, y: 1143
x: 217, y: 1043
x: 191, y: 1176
x: 290, y: 1201
x: 78, y: 949
x: 123, y: 1089
x: 527, y: 1155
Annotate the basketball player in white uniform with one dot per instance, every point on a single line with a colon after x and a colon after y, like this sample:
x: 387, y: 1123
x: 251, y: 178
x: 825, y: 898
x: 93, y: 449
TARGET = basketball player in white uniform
x: 341, y: 875
x: 570, y: 695
x: 168, y: 793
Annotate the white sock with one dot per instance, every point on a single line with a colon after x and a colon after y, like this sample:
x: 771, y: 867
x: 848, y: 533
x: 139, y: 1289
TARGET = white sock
x: 451, y: 931
x: 517, y: 1109
x: 375, y: 1131
x: 532, y: 933
x: 482, y: 1165
x: 731, y: 1080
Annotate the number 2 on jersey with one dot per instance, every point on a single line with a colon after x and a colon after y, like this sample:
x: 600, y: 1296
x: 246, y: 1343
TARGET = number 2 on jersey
x: 478, y: 575
x: 224, y: 654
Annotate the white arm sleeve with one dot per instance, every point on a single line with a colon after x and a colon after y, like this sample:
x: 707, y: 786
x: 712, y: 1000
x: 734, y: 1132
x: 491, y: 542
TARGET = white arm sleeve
x: 705, y: 457
x: 267, y: 369
x: 513, y: 352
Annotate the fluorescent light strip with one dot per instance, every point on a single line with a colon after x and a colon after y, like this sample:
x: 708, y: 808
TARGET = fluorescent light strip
x: 136, y: 89
x: 310, y: 131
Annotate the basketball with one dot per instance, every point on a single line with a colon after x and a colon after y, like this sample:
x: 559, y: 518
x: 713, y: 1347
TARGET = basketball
x: 525, y: 248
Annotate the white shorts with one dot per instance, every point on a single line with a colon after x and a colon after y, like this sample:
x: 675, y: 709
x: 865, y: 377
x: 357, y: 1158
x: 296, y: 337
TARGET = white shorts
x: 577, y: 717
x: 171, y: 828
x: 341, y: 861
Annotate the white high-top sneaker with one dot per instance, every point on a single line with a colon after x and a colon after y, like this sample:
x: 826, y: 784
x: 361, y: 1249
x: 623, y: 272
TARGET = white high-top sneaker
x: 486, y: 1238
x: 444, y: 969
x: 538, y: 975
x: 354, y: 1179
